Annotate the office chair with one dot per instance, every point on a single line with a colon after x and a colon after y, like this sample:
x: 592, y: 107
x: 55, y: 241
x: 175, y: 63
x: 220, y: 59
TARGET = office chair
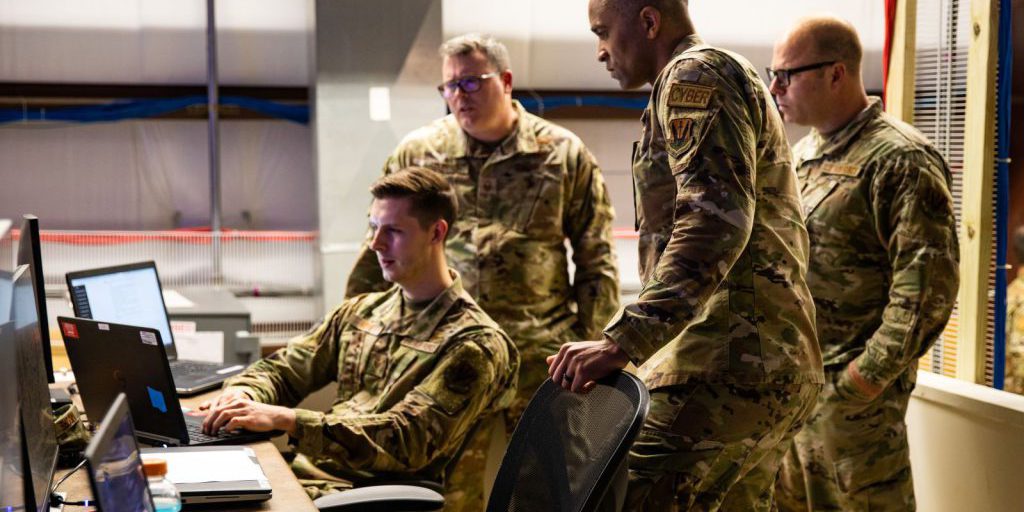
x: 568, y: 453
x: 569, y: 449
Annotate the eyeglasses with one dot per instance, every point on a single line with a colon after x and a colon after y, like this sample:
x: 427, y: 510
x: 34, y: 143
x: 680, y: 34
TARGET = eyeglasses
x: 469, y: 84
x: 783, y: 76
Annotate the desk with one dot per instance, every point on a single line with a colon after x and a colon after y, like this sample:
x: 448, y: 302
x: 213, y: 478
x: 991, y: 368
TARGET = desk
x: 288, y: 495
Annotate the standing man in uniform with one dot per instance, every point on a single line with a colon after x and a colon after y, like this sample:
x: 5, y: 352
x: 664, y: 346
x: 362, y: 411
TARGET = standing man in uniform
x: 883, y: 271
x: 417, y: 366
x: 723, y: 330
x: 525, y: 186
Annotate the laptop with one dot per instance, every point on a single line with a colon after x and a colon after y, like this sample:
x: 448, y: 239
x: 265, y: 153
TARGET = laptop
x: 115, y: 468
x: 131, y: 294
x: 114, y: 465
x: 110, y: 358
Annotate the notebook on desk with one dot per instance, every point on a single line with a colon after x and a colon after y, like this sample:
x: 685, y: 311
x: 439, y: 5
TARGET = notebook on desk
x: 131, y: 294
x: 110, y: 358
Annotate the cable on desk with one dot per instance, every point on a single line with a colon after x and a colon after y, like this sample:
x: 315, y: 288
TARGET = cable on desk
x: 56, y: 499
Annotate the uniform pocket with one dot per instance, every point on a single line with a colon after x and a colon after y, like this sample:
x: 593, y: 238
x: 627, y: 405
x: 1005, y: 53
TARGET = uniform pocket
x: 535, y: 199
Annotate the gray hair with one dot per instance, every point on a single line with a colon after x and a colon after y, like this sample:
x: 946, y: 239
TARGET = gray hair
x: 495, y: 52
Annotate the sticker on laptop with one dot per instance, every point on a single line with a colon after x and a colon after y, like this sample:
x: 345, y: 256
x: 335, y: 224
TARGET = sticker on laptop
x: 148, y: 338
x: 156, y: 398
x: 70, y: 330
x: 103, y: 327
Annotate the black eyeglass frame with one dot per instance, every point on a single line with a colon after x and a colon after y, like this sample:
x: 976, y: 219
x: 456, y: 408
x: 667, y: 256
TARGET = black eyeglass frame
x: 783, y: 76
x: 447, y: 89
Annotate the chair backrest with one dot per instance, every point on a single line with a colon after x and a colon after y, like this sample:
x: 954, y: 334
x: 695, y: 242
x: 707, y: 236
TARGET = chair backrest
x: 567, y: 446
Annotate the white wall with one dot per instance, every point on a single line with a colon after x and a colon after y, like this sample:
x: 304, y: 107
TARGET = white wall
x: 966, y: 446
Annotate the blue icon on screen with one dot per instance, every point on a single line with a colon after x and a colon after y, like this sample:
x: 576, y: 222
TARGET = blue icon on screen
x: 157, y: 399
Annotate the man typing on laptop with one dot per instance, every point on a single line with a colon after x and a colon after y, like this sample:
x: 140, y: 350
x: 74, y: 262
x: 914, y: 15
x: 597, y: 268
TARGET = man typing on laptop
x: 416, y: 366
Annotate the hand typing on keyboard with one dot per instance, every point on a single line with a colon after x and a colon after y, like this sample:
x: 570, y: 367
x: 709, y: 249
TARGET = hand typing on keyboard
x: 234, y: 410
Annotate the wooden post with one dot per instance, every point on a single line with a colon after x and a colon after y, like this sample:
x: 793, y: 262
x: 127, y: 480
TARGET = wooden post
x: 899, y: 100
x: 978, y: 177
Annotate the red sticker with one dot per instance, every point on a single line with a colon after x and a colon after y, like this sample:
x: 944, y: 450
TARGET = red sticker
x: 70, y: 330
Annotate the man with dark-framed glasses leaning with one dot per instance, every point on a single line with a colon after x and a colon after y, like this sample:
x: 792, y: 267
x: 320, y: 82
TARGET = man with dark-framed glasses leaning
x: 883, y: 271
x: 524, y: 186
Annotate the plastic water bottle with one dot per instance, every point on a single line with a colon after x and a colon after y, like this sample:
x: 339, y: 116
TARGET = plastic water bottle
x: 165, y: 494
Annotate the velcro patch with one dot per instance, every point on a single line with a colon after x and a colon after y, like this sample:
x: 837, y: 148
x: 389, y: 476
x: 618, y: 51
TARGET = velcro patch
x: 681, y: 130
x: 840, y: 169
x: 688, y: 95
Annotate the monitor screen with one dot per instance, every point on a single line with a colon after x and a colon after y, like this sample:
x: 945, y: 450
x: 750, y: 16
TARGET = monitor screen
x: 12, y: 484
x: 6, y: 246
x: 30, y: 253
x: 36, y: 414
x: 115, y: 467
x: 128, y: 295
x: 6, y: 272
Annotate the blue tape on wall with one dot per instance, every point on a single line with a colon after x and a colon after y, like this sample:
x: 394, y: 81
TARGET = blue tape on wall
x: 141, y: 109
x: 1003, y: 91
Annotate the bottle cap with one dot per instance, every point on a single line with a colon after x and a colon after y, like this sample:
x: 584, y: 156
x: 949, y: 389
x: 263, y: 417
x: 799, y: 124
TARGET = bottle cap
x: 154, y: 467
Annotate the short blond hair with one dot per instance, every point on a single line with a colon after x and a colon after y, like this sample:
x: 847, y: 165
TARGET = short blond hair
x: 466, y: 44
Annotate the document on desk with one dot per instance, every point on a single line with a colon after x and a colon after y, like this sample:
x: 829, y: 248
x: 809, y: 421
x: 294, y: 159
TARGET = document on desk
x: 173, y: 299
x: 194, y: 467
x: 205, y: 346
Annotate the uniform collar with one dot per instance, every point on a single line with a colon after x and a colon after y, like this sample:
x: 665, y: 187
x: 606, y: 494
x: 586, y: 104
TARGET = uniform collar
x: 688, y: 42
x: 421, y: 325
x: 522, y: 139
x: 838, y: 141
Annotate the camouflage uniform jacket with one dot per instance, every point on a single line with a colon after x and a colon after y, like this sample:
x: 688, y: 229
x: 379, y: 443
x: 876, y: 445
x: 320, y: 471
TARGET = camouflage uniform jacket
x: 1015, y: 335
x: 884, y: 253
x: 723, y: 249
x: 517, y: 205
x: 410, y: 385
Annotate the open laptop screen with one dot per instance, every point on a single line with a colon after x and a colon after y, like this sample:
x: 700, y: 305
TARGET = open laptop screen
x: 128, y: 294
x: 115, y: 468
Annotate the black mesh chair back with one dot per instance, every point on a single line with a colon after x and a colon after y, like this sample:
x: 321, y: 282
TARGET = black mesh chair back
x: 568, y: 447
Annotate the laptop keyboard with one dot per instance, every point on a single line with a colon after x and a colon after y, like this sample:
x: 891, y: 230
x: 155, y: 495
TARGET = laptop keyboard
x: 196, y: 435
x: 190, y: 368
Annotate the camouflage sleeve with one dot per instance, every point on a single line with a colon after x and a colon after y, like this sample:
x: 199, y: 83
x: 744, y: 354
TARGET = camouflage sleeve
x: 430, y: 422
x: 588, y: 220
x: 711, y: 148
x: 308, y: 363
x: 366, y: 276
x: 913, y: 210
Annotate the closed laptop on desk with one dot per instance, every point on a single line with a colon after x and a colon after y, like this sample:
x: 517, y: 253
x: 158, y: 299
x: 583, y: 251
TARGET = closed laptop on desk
x: 110, y: 358
x: 131, y: 294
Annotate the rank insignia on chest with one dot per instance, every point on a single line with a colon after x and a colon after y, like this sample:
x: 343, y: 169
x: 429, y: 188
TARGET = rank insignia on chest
x: 840, y: 169
x: 681, y: 130
x: 690, y: 95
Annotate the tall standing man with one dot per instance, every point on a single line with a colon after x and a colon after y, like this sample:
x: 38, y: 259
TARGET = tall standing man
x: 723, y: 329
x: 525, y: 186
x: 883, y: 271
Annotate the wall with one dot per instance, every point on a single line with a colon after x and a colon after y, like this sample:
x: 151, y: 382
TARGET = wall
x: 966, y: 446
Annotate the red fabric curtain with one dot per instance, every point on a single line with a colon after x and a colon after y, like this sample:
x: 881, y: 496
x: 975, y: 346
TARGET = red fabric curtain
x: 890, y: 23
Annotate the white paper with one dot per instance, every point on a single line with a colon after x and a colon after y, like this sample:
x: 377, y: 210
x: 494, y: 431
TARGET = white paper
x: 173, y: 299
x: 188, y: 467
x: 200, y: 346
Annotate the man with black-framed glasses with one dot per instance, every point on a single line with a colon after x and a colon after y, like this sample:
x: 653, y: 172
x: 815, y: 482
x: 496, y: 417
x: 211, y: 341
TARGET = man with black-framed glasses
x: 525, y: 186
x: 883, y: 271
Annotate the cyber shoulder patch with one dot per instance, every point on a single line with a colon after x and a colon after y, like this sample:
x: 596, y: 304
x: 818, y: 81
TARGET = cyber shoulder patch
x: 840, y: 169
x: 681, y: 130
x: 688, y: 95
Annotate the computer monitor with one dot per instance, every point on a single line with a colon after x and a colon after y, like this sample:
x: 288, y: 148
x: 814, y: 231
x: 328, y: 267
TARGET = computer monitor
x: 124, y: 294
x: 36, y: 413
x: 12, y: 482
x: 6, y: 246
x: 6, y: 271
x: 30, y: 253
x: 115, y: 467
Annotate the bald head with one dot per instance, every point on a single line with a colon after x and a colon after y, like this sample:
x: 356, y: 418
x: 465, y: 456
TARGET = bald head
x: 828, y: 39
x: 673, y: 9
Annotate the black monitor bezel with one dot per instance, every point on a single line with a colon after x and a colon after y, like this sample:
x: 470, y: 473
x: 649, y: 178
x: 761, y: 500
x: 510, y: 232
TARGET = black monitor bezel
x: 21, y: 275
x: 29, y: 242
x: 172, y: 351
